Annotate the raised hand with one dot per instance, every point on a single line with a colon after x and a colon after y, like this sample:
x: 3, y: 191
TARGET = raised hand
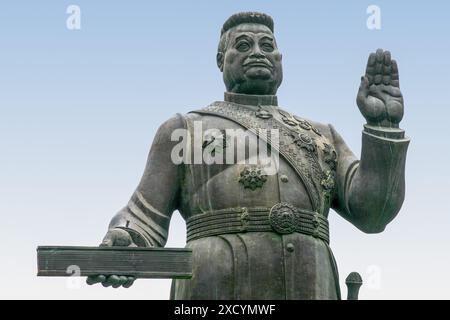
x: 379, y: 97
x: 114, y: 237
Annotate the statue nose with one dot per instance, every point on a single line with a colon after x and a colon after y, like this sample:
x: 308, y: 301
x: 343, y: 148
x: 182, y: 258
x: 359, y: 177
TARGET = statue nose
x: 257, y: 53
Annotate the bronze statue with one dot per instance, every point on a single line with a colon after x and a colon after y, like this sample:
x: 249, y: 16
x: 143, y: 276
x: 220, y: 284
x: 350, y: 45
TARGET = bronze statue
x: 257, y: 234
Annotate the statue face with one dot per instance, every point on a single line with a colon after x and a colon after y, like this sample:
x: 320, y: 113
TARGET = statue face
x: 251, y: 63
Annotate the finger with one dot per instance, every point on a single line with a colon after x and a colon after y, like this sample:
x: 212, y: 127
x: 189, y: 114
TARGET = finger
x: 115, y: 280
x: 387, y: 58
x: 111, y: 281
x: 123, y: 240
x: 379, y: 68
x: 363, y: 92
x: 387, y: 68
x: 117, y: 237
x: 371, y: 60
x: 123, y: 280
x: 370, y: 69
x: 378, y: 79
x: 107, y: 242
x: 394, y: 70
x: 394, y: 76
x: 380, y: 55
x: 95, y: 279
x: 364, y: 87
x: 129, y: 282
x: 92, y: 280
x: 107, y: 282
x: 110, y: 239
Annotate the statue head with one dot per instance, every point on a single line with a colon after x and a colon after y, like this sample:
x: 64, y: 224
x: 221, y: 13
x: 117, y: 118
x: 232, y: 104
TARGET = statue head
x: 248, y: 55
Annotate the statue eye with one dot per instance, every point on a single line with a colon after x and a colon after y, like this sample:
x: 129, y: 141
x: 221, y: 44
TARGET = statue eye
x: 243, y: 46
x: 267, y: 47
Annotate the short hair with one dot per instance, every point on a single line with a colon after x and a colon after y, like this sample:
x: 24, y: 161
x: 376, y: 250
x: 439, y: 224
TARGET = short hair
x: 247, y: 17
x: 240, y: 18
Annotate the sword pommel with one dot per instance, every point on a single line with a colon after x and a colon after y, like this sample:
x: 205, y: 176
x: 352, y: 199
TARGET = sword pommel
x: 354, y: 283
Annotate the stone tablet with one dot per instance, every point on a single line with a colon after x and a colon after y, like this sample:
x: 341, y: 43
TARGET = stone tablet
x: 129, y: 261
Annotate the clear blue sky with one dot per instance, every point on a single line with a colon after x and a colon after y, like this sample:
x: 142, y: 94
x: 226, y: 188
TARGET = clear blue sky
x: 79, y: 110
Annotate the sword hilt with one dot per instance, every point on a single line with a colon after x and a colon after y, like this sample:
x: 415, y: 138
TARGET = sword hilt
x: 354, y: 283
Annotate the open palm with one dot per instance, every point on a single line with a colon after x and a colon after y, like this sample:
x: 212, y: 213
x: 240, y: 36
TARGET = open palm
x: 379, y: 97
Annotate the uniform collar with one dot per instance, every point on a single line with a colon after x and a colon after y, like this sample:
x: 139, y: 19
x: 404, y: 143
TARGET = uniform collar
x: 251, y: 99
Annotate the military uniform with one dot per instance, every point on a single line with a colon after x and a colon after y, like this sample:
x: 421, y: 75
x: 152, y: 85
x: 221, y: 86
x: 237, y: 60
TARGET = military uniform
x: 265, y: 236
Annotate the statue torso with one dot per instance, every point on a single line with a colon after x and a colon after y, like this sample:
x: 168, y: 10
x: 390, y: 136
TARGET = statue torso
x: 259, y: 265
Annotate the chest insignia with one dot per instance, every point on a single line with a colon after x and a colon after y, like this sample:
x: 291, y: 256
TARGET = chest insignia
x: 252, y: 177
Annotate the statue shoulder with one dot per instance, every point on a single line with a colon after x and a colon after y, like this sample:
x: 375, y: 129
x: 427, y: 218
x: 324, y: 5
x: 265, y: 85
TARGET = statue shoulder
x: 177, y: 121
x: 167, y: 128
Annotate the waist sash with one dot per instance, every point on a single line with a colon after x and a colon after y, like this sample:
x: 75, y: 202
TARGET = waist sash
x: 282, y: 218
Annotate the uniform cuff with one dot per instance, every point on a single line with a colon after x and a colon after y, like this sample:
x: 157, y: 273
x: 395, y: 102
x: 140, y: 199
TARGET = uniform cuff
x: 385, y: 132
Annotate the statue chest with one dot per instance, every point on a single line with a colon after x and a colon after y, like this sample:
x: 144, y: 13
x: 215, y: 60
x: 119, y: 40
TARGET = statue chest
x: 250, y: 160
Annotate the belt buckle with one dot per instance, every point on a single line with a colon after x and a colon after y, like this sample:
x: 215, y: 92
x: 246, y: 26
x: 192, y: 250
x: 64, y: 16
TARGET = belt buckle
x: 282, y: 218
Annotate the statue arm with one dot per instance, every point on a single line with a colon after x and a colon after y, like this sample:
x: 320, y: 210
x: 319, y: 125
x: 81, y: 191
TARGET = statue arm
x: 370, y: 191
x: 147, y: 215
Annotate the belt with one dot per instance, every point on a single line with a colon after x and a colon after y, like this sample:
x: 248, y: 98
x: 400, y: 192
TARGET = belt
x: 282, y: 218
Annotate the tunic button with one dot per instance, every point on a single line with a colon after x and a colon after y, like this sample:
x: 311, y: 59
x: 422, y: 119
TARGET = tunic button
x: 290, y: 247
x: 284, y: 178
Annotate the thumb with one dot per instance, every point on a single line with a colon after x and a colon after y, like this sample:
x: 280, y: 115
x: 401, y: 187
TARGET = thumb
x: 363, y: 91
x: 108, y: 240
x: 117, y: 237
x: 364, y: 86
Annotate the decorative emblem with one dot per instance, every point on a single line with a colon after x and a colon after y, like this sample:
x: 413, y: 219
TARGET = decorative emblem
x: 306, y: 125
x: 282, y: 218
x: 289, y: 122
x: 287, y: 118
x: 316, y: 131
x: 316, y: 224
x: 304, y: 141
x: 303, y: 123
x: 284, y: 113
x: 263, y: 114
x: 330, y: 156
x: 253, y: 177
x: 328, y: 181
x: 315, y: 221
x: 244, y: 219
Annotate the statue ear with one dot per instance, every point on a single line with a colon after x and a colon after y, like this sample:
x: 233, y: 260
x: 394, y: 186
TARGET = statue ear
x: 219, y: 59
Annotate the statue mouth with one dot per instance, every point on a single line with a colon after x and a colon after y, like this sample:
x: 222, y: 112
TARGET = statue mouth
x: 258, y: 64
